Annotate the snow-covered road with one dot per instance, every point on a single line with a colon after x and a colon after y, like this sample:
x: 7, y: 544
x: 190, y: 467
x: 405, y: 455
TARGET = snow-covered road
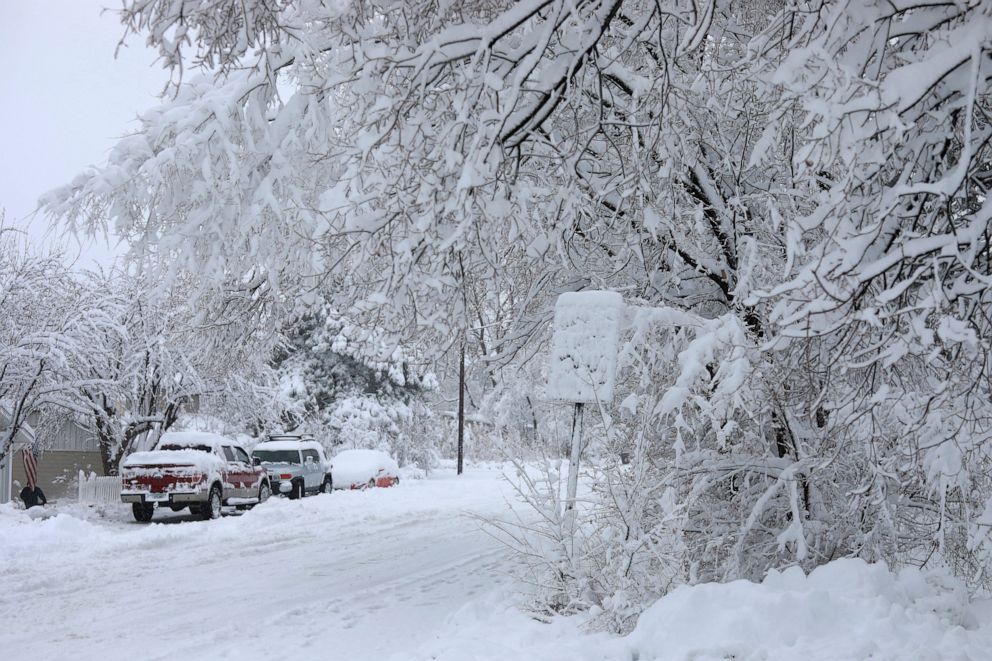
x: 365, y: 575
x: 406, y: 574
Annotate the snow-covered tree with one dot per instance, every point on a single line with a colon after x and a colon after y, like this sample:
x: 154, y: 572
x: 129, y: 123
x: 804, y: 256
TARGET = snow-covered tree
x: 47, y: 328
x: 344, y: 384
x: 808, y: 179
x: 160, y: 357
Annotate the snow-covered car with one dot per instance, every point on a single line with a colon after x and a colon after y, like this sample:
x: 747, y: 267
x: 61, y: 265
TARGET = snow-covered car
x: 363, y: 469
x: 296, y: 465
x: 198, y: 470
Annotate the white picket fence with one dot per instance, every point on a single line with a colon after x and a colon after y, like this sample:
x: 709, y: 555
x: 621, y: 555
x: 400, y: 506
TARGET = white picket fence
x: 96, y: 490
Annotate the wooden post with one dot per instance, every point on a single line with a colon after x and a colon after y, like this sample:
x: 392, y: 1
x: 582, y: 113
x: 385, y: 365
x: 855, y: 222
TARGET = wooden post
x: 461, y: 411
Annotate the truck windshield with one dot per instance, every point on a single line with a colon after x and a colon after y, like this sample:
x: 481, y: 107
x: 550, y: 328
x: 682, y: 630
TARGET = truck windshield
x: 278, y: 456
x: 176, y: 446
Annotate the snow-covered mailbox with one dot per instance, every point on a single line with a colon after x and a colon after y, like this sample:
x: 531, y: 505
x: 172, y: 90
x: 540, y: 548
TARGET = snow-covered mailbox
x: 584, y: 360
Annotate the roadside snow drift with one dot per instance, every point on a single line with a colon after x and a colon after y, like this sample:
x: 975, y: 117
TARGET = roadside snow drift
x: 847, y: 610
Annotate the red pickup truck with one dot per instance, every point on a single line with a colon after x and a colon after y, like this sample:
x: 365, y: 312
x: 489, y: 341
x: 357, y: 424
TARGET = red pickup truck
x: 198, y: 470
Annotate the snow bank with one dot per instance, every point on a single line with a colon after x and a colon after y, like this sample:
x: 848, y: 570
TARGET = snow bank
x: 402, y: 560
x: 845, y: 611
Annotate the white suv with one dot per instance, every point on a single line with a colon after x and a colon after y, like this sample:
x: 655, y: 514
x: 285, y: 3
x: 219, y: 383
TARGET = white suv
x: 296, y: 465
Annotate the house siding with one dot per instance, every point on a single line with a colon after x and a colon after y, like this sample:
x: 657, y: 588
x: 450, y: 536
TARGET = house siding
x: 73, y: 449
x: 75, y: 438
x: 58, y: 471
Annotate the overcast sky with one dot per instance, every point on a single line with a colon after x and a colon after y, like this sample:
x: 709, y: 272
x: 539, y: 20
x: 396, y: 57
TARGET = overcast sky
x: 64, y: 99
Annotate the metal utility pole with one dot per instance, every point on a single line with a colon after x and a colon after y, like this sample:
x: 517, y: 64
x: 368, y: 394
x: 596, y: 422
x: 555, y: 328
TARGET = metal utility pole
x: 461, y: 411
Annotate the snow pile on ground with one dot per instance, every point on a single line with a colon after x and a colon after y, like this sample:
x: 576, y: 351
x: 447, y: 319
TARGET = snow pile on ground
x: 847, y: 609
x: 844, y: 611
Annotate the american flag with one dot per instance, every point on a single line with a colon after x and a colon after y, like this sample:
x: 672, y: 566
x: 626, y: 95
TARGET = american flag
x: 30, y: 466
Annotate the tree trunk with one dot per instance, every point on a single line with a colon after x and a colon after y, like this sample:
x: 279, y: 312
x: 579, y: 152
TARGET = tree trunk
x: 110, y: 459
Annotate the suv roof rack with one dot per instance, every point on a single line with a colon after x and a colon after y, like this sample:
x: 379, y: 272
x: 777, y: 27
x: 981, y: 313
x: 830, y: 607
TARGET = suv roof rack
x: 291, y: 437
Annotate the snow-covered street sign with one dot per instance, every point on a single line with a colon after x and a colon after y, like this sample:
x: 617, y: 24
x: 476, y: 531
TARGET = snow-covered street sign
x: 583, y: 365
x: 584, y: 346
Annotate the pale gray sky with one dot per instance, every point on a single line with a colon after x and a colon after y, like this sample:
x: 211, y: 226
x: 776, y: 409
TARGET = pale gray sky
x: 63, y: 101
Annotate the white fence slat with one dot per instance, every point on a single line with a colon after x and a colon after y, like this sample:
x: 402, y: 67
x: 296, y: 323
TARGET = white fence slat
x: 96, y: 490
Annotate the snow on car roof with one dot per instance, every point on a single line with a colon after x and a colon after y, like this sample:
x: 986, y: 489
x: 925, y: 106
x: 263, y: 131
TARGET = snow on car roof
x: 287, y: 445
x: 360, y: 456
x: 187, y: 438
x: 360, y: 452
x: 203, y: 461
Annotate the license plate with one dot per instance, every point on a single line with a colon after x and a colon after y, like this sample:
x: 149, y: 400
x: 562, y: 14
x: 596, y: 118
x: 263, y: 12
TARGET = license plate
x: 156, y: 497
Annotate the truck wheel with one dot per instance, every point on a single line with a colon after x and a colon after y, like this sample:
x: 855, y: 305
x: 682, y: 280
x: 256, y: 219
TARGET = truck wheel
x: 371, y: 484
x: 263, y: 493
x: 211, y: 508
x: 327, y: 486
x: 142, y: 512
x: 298, y: 490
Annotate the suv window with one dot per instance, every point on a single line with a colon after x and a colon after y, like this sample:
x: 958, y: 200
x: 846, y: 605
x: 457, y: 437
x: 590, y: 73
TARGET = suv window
x: 229, y: 453
x: 311, y: 455
x: 278, y: 456
x: 242, y: 456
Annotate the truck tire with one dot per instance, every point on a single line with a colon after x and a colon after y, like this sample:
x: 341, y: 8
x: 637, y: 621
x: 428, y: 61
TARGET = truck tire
x: 327, y: 486
x: 211, y: 508
x: 142, y: 512
x: 263, y: 493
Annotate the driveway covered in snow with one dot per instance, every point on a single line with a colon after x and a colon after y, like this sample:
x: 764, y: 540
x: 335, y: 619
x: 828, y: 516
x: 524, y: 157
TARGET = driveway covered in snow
x: 348, y: 575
